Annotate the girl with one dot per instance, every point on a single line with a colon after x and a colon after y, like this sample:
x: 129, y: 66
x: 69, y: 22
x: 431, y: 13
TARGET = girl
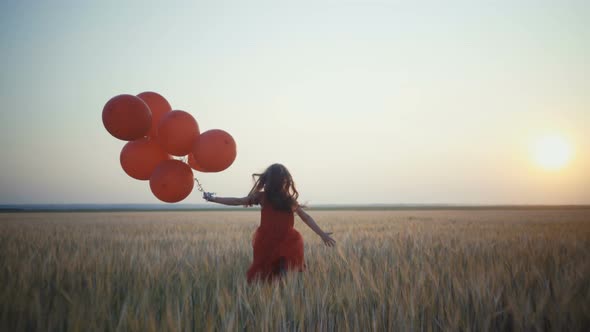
x: 278, y: 247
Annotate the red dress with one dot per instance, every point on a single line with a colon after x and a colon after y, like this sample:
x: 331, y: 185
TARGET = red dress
x: 277, y: 245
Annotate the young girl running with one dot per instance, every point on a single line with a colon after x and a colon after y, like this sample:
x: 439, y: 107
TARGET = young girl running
x: 278, y: 247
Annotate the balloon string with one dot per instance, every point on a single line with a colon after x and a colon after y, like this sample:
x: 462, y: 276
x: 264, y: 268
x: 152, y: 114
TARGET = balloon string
x: 199, y: 186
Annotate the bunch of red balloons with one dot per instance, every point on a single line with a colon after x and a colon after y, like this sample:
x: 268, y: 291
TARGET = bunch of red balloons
x: 156, y: 134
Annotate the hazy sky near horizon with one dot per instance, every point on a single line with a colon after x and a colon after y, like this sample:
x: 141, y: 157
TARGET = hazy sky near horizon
x: 364, y: 101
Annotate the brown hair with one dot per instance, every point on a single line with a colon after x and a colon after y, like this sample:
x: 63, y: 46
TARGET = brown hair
x: 276, y: 183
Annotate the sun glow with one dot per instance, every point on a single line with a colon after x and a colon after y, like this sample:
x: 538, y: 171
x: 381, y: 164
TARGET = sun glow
x: 552, y: 152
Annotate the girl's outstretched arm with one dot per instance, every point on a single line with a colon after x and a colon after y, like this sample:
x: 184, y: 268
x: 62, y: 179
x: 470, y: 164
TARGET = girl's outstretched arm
x: 228, y: 200
x: 308, y: 220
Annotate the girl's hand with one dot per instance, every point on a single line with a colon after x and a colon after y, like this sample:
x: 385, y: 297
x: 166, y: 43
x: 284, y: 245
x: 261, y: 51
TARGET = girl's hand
x: 208, y: 196
x: 328, y: 240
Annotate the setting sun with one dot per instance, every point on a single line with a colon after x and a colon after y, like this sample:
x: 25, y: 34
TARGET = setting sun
x: 552, y: 152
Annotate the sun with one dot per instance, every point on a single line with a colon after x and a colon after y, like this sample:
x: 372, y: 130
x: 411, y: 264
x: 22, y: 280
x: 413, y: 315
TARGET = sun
x: 552, y: 152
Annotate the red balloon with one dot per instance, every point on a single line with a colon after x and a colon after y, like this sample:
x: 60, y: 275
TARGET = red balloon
x: 177, y: 132
x: 127, y: 117
x: 172, y: 181
x: 194, y: 165
x: 139, y: 158
x: 215, y: 150
x: 158, y: 105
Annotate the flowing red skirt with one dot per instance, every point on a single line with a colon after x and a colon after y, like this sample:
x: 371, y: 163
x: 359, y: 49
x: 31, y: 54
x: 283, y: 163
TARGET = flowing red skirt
x: 275, y: 248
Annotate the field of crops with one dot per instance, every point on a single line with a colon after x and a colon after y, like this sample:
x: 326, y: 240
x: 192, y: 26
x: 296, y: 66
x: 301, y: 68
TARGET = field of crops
x: 470, y: 270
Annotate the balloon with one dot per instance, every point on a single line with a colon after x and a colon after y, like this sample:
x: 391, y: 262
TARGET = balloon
x: 127, y: 117
x: 194, y: 165
x: 172, y: 181
x: 214, y: 150
x: 177, y: 132
x: 139, y: 158
x: 158, y: 105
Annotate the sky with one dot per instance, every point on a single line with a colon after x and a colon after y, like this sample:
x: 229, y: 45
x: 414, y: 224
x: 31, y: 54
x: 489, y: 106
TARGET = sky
x: 401, y: 102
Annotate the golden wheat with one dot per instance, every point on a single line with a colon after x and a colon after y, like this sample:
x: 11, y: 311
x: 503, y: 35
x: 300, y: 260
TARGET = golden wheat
x: 391, y: 270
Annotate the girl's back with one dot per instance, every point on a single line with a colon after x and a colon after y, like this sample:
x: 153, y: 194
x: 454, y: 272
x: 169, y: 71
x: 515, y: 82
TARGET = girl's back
x: 272, y: 219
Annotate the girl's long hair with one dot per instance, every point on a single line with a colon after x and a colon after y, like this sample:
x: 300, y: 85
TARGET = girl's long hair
x: 276, y: 183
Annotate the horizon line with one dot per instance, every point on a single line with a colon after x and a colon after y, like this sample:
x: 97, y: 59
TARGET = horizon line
x: 107, y: 207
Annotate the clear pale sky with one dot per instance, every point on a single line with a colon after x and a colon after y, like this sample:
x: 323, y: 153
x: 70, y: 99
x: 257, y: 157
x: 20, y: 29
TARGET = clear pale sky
x: 364, y: 101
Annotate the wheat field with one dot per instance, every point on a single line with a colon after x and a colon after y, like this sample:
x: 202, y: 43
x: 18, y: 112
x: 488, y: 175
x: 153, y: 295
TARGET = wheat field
x: 449, y: 270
